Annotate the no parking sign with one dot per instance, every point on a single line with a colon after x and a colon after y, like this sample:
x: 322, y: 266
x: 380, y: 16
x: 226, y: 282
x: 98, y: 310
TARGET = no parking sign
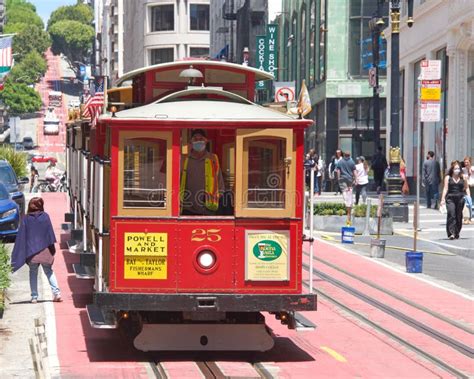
x: 284, y: 91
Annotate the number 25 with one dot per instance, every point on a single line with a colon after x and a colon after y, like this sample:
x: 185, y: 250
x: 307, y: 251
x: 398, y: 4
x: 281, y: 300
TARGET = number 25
x: 210, y: 235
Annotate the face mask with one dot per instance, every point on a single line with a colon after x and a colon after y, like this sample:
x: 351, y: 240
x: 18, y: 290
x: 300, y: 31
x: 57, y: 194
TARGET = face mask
x: 457, y: 171
x: 199, y: 146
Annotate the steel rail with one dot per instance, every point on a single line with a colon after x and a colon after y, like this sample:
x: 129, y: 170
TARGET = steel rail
x: 462, y: 348
x: 445, y: 366
x: 454, y: 323
x: 209, y: 369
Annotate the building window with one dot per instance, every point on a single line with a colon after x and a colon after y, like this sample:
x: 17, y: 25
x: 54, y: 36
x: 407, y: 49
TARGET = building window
x: 360, y: 41
x: 440, y: 136
x: 199, y: 52
x: 286, y: 51
x: 162, y: 18
x: 293, y: 48
x: 322, y: 41
x: 312, y: 45
x: 161, y: 55
x: 199, y: 16
x: 303, y: 42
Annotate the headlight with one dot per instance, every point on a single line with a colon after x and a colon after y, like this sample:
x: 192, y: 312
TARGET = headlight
x: 9, y: 213
x: 206, y: 259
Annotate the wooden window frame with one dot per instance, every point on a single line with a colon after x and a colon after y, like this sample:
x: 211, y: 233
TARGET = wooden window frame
x: 241, y: 180
x: 138, y: 211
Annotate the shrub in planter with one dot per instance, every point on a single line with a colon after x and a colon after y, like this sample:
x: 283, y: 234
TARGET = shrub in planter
x: 339, y: 209
x: 5, y: 270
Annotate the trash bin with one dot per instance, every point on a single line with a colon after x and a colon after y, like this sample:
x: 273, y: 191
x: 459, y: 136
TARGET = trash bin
x: 347, y: 234
x: 414, y: 262
x: 377, y: 248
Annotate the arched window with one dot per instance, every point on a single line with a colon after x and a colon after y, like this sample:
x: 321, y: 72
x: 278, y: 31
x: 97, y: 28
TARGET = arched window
x: 312, y: 45
x: 303, y: 42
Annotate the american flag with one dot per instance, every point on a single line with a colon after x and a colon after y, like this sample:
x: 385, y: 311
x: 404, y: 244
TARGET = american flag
x: 6, y: 57
x: 94, y: 104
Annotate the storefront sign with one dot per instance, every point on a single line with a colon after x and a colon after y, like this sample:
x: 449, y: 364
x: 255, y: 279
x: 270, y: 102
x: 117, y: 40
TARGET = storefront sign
x: 261, y: 59
x: 145, y: 255
x: 430, y: 111
x: 267, y: 255
x: 430, y: 90
x: 272, y: 50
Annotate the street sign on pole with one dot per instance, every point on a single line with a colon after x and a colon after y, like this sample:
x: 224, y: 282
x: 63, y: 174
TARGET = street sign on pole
x: 430, y: 111
x: 284, y: 91
x: 430, y: 90
x: 430, y: 69
x: 372, y: 77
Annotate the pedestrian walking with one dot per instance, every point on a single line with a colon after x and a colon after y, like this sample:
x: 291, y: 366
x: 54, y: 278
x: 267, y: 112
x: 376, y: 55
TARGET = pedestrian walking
x: 337, y: 158
x: 346, y: 174
x: 468, y: 175
x: 455, y: 187
x: 431, y: 179
x: 362, y: 179
x: 403, y: 175
x: 319, y: 174
x: 379, y: 165
x: 34, y: 179
x: 34, y: 245
x: 309, y: 165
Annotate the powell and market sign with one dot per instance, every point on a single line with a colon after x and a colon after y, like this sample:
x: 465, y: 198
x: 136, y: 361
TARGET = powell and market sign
x: 267, y: 52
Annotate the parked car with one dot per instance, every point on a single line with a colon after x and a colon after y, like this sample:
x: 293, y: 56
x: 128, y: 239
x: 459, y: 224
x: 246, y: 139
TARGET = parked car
x: 28, y: 143
x: 9, y: 214
x: 18, y: 146
x: 14, y: 185
x: 43, y: 159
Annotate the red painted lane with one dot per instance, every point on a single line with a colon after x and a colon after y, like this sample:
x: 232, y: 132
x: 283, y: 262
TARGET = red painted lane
x: 439, y: 300
x: 84, y: 352
x: 341, y: 347
x: 388, y: 300
x: 52, y: 82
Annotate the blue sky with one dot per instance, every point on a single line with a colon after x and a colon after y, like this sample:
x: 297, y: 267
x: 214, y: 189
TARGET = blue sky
x: 45, y: 7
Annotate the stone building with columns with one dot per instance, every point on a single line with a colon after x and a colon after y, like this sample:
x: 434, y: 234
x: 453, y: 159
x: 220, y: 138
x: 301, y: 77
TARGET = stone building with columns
x: 442, y: 30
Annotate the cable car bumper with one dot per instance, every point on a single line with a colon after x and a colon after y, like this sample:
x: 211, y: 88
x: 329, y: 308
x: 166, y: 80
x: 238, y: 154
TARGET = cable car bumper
x: 183, y: 302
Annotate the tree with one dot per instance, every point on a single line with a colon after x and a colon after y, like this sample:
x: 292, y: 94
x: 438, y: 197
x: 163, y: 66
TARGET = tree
x: 30, y: 69
x: 79, y: 12
x: 73, y: 39
x: 20, y: 3
x: 20, y: 98
x: 24, y: 14
x: 29, y: 37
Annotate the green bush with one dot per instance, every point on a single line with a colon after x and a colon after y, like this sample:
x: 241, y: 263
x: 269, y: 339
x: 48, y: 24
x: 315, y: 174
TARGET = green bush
x: 17, y: 159
x: 5, y: 270
x: 339, y: 209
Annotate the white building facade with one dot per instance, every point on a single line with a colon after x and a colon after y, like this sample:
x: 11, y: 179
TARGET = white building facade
x: 443, y: 30
x: 140, y: 33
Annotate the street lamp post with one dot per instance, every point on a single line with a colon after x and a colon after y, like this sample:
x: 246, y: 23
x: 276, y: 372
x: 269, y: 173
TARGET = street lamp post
x: 394, y: 179
x: 376, y: 25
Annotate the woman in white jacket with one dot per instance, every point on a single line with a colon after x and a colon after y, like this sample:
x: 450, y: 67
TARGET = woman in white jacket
x: 362, y: 179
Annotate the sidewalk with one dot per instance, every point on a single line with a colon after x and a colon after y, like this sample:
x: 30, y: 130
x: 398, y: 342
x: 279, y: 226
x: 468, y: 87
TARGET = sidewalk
x: 432, y: 224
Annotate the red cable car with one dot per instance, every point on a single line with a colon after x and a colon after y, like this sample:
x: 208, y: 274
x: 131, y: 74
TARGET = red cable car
x: 175, y: 278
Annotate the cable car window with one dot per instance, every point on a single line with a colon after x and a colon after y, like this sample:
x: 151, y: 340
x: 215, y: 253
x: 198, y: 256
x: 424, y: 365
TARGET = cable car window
x: 266, y: 173
x: 144, y: 180
x: 266, y: 186
x: 144, y: 173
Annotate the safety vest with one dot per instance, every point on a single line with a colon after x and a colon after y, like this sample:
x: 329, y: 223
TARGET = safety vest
x: 211, y: 190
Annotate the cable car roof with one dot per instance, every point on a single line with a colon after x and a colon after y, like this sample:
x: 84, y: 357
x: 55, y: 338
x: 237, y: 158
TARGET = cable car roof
x: 198, y: 104
x: 259, y: 74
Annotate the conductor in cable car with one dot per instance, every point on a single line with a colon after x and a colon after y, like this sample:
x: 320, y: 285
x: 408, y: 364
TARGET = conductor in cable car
x: 202, y: 183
